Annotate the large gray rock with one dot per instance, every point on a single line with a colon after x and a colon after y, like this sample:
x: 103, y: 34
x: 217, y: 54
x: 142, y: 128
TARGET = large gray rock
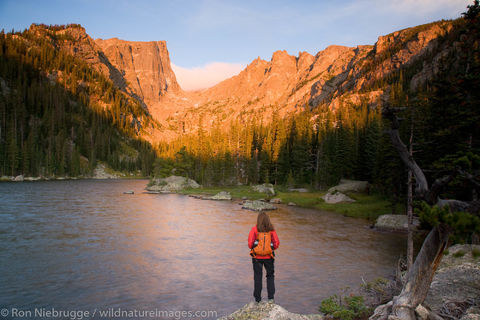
x: 19, y: 178
x: 172, y: 184
x: 472, y: 313
x: 101, y: 173
x: 457, y: 278
x: 266, y: 188
x: 222, y: 195
x: 395, y: 222
x: 270, y: 311
x: 350, y: 186
x: 276, y: 200
x: 336, y: 197
x: 257, y: 205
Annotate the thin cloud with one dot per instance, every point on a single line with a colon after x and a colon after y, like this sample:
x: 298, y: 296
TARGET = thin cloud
x: 206, y: 76
x: 428, y: 6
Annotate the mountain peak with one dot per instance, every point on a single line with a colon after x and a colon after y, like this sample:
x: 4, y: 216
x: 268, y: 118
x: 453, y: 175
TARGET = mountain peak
x: 280, y: 55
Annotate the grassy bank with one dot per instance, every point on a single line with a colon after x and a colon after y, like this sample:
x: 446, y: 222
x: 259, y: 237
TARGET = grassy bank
x: 367, y: 206
x: 237, y: 192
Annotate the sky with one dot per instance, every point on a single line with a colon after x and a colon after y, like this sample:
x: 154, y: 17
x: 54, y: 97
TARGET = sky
x: 211, y: 40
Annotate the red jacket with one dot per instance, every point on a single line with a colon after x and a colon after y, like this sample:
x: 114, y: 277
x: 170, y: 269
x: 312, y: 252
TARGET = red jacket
x: 252, y: 236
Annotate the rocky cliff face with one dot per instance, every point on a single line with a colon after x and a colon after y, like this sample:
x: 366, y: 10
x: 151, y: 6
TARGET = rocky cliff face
x: 145, y: 67
x: 332, y: 78
x: 141, y: 69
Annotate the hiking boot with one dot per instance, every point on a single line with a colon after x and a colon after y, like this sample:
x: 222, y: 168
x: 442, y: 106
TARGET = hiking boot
x: 271, y: 301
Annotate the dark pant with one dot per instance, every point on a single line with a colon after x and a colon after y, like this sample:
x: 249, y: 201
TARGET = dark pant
x: 257, y: 277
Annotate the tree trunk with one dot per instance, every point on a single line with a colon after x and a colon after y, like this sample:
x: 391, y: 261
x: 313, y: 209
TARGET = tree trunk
x: 410, y: 205
x: 420, y: 276
x: 410, y: 221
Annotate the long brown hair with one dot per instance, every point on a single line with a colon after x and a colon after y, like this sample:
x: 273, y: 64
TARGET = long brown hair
x: 263, y: 223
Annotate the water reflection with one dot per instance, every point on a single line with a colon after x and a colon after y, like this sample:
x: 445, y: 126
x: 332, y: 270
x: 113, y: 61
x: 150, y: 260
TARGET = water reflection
x: 85, y: 244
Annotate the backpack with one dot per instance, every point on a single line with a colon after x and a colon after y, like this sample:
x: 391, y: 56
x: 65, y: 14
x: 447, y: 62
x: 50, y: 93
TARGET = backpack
x: 263, y: 246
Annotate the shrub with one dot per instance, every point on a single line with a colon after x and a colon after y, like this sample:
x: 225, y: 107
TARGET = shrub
x: 475, y: 253
x: 459, y: 254
x: 344, y: 308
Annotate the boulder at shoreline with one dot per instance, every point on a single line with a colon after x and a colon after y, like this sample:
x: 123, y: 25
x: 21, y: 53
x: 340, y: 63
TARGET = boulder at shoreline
x: 257, y: 205
x: 395, y: 222
x: 101, y: 173
x: 266, y: 188
x: 266, y: 310
x: 350, y: 186
x: 336, y: 197
x: 222, y: 195
x: 172, y: 184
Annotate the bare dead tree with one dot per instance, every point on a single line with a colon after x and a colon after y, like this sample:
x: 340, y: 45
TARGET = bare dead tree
x: 410, y: 204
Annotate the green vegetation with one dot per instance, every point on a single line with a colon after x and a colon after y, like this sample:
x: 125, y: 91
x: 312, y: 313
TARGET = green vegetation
x: 459, y: 254
x: 464, y: 224
x: 237, y: 192
x: 53, y: 116
x: 368, y: 207
x: 345, y: 308
x: 475, y: 253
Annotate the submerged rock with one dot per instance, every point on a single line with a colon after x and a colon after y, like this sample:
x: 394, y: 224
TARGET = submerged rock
x: 276, y: 200
x: 265, y: 188
x: 196, y: 196
x: 336, y: 197
x: 267, y: 310
x: 292, y: 204
x: 350, y: 186
x: 172, y: 184
x: 395, y: 222
x: 257, y: 205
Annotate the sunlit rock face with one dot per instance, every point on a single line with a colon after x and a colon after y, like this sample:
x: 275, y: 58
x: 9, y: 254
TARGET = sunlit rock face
x: 334, y: 77
x: 144, y: 65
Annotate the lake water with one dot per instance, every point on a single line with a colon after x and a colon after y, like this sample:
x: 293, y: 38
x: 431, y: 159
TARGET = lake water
x: 84, y: 245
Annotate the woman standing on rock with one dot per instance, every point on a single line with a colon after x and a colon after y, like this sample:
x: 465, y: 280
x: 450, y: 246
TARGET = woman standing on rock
x: 263, y: 240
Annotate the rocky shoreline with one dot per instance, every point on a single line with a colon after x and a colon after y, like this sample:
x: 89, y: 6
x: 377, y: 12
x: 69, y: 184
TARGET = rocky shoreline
x: 100, y: 172
x: 268, y: 310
